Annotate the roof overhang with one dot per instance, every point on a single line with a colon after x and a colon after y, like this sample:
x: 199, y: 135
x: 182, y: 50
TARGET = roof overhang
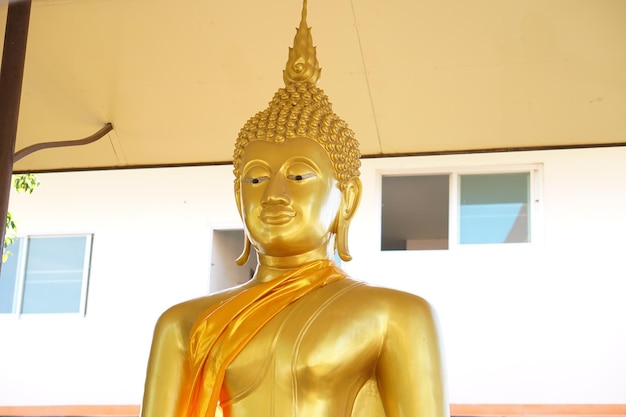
x: 177, y: 80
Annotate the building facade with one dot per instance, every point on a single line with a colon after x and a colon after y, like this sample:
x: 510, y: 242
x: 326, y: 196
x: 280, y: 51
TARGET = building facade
x: 520, y: 253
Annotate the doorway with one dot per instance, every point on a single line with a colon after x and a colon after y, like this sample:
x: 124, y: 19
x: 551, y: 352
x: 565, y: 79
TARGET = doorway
x: 225, y: 273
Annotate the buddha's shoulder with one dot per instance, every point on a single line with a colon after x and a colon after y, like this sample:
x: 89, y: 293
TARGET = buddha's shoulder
x: 183, y: 315
x: 370, y: 296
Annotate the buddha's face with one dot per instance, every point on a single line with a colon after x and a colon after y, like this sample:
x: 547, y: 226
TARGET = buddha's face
x: 288, y: 196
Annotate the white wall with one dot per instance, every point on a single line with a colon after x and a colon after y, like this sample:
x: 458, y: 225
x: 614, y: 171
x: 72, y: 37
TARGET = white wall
x: 539, y: 323
x: 151, y: 250
x: 532, y: 324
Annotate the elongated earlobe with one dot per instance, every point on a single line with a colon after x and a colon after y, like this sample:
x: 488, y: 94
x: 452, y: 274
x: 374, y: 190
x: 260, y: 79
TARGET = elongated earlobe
x: 351, y: 197
x: 243, y: 258
x: 341, y: 241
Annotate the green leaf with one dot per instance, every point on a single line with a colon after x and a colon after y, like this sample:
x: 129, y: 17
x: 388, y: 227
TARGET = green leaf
x: 24, y: 183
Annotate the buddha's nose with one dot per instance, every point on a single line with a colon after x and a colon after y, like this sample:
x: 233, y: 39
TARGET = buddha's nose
x: 276, y: 191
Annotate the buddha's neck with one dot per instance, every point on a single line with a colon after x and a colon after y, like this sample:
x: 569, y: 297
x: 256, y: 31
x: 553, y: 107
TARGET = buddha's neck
x: 271, y: 267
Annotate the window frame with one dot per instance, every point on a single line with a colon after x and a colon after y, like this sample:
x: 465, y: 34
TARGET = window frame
x: 18, y: 294
x: 535, y: 208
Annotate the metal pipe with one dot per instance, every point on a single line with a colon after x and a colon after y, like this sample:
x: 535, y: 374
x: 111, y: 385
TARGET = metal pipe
x: 63, y: 143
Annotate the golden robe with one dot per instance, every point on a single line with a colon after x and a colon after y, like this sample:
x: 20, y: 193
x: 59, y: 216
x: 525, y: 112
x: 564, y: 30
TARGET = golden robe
x: 223, y: 330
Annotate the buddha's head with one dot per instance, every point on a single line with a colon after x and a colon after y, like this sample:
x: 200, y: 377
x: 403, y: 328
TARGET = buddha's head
x: 299, y: 155
x: 301, y: 109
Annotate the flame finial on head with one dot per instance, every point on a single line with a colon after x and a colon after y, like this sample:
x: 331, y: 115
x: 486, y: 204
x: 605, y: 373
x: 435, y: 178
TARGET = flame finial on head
x: 301, y: 109
x: 302, y: 65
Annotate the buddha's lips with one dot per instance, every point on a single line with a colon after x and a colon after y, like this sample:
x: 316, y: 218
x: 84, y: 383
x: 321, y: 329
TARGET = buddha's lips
x: 275, y: 215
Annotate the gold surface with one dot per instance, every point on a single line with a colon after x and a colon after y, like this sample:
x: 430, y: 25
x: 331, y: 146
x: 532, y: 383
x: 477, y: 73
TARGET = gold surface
x: 341, y: 349
x: 176, y: 79
x: 300, y: 338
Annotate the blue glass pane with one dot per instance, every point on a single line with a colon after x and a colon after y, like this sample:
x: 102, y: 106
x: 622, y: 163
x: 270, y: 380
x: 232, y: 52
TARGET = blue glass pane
x: 51, y: 297
x: 54, y: 274
x: 8, y: 279
x: 56, y: 253
x: 491, y: 223
x: 494, y: 208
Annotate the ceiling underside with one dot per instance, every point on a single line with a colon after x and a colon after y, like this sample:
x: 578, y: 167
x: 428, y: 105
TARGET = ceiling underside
x: 178, y: 79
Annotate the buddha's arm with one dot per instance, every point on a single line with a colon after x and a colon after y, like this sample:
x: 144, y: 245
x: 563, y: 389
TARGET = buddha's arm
x: 167, y: 381
x: 410, y: 368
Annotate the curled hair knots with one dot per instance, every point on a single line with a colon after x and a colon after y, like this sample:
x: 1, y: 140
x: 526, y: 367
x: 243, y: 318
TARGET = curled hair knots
x: 302, y: 109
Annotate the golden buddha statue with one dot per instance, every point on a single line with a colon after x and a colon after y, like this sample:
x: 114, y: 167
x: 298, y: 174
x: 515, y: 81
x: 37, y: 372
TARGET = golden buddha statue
x: 300, y: 338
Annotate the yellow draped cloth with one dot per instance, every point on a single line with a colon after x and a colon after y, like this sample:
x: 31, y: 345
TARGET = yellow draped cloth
x: 223, y: 330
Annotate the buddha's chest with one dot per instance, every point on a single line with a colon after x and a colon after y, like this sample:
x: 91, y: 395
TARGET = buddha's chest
x: 316, y: 345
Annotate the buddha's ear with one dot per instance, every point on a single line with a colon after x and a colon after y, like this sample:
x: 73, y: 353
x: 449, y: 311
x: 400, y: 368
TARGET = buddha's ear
x: 350, y: 199
x: 238, y: 198
x: 243, y: 258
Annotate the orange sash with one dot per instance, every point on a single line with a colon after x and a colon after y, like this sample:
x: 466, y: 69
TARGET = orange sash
x: 223, y: 330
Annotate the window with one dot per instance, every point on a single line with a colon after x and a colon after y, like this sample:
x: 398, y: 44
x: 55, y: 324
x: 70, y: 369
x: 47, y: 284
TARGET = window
x: 493, y: 208
x: 415, y: 212
x: 46, y: 275
x: 445, y: 209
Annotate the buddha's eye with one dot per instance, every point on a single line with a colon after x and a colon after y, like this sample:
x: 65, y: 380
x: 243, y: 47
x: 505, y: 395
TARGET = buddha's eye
x: 300, y: 177
x: 256, y: 180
